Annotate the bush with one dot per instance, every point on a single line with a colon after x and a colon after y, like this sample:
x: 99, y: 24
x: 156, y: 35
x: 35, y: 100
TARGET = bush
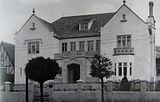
x: 124, y: 85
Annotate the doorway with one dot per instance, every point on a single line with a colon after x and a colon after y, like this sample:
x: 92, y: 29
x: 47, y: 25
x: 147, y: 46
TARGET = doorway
x: 73, y: 72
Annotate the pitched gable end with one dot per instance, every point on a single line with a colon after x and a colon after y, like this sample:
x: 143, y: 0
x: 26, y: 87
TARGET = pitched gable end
x: 46, y: 24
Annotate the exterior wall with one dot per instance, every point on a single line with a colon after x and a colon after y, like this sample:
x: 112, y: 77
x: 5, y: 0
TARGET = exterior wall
x: 140, y: 41
x: 48, y: 45
x: 83, y: 62
x: 77, y: 42
x: 143, y: 57
x: 128, y: 59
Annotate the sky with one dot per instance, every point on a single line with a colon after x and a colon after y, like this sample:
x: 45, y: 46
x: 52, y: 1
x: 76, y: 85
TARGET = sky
x: 14, y: 13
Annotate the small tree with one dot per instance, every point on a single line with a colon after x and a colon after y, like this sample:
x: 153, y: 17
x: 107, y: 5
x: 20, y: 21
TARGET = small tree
x: 101, y: 67
x: 40, y: 69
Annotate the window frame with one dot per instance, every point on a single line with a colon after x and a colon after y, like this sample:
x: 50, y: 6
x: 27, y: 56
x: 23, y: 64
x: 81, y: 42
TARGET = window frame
x: 98, y: 45
x: 125, y: 68
x: 81, y: 45
x: 73, y: 46
x: 90, y: 44
x: 64, y: 46
x: 84, y: 26
x: 33, y: 47
x: 124, y: 41
x: 130, y: 68
x: 120, y: 68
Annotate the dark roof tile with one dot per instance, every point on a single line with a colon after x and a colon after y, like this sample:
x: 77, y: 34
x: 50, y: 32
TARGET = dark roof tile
x: 69, y: 26
x: 9, y: 48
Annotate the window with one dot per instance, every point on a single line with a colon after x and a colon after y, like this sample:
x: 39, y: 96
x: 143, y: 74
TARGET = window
x: 120, y: 68
x: 33, y: 47
x: 125, y: 68
x: 64, y: 47
x: 81, y: 45
x: 20, y: 71
x: 97, y: 45
x: 83, y: 26
x: 158, y: 72
x: 123, y: 18
x: 73, y: 46
x: 33, y: 26
x: 90, y: 45
x: 123, y: 41
x: 115, y: 69
x: 130, y: 68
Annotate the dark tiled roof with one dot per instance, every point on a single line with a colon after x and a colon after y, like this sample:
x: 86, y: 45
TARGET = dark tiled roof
x: 68, y: 27
x: 47, y: 24
x: 9, y: 48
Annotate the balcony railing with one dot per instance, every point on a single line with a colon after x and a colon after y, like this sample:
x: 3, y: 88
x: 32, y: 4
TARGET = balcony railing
x: 123, y: 51
x: 75, y: 54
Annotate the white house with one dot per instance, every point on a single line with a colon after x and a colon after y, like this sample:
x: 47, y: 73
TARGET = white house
x: 122, y: 36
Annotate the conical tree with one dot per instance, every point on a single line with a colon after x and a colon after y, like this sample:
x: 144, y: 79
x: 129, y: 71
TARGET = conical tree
x: 40, y: 70
x: 101, y: 67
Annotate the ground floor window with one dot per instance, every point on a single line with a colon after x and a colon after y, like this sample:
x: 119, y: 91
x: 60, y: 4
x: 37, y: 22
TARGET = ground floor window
x: 124, y: 68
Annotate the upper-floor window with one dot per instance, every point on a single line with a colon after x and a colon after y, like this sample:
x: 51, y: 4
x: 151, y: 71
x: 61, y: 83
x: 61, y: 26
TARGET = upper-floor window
x: 33, y: 47
x: 90, y: 45
x: 81, y: 45
x: 123, y: 41
x: 83, y: 26
x: 97, y: 45
x: 73, y: 46
x: 64, y: 47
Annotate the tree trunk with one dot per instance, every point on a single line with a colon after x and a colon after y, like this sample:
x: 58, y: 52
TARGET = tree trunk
x: 26, y: 88
x: 41, y: 91
x: 102, y: 91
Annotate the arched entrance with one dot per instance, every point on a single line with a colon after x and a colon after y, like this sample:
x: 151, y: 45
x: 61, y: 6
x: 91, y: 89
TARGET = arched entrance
x: 73, y: 72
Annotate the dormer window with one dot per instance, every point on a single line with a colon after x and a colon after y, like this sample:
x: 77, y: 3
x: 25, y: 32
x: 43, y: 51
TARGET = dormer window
x: 123, y: 18
x: 83, y: 26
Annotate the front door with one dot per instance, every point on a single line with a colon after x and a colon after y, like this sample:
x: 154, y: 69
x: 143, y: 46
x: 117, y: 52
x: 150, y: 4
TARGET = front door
x: 73, y: 73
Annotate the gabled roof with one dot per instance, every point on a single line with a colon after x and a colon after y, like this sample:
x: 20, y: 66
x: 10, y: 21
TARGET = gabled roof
x: 9, y: 48
x: 44, y: 22
x: 68, y: 27
x: 47, y: 24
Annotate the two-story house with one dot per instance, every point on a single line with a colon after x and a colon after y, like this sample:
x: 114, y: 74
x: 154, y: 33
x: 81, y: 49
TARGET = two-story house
x: 122, y: 36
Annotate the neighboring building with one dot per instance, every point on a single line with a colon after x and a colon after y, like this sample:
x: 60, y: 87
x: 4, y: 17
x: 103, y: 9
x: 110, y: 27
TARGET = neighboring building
x: 6, y: 62
x: 158, y: 62
x: 122, y: 36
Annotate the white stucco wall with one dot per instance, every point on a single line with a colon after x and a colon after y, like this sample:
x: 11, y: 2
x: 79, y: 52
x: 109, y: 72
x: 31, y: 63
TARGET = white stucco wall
x: 140, y: 41
x: 85, y: 39
x: 48, y: 45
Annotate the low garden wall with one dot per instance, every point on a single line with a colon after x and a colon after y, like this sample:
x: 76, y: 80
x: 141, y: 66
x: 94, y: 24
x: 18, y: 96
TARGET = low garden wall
x: 80, y: 92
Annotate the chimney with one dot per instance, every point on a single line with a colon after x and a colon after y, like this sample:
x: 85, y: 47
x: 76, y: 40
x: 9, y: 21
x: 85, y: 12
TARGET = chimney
x: 151, y: 8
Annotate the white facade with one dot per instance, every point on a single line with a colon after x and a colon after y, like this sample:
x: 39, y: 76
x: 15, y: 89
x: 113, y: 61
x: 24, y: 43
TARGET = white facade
x: 48, y: 45
x: 143, y: 66
x: 139, y: 58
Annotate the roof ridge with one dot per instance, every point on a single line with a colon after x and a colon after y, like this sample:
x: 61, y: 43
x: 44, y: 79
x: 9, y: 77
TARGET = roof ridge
x: 88, y: 14
x: 48, y: 23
